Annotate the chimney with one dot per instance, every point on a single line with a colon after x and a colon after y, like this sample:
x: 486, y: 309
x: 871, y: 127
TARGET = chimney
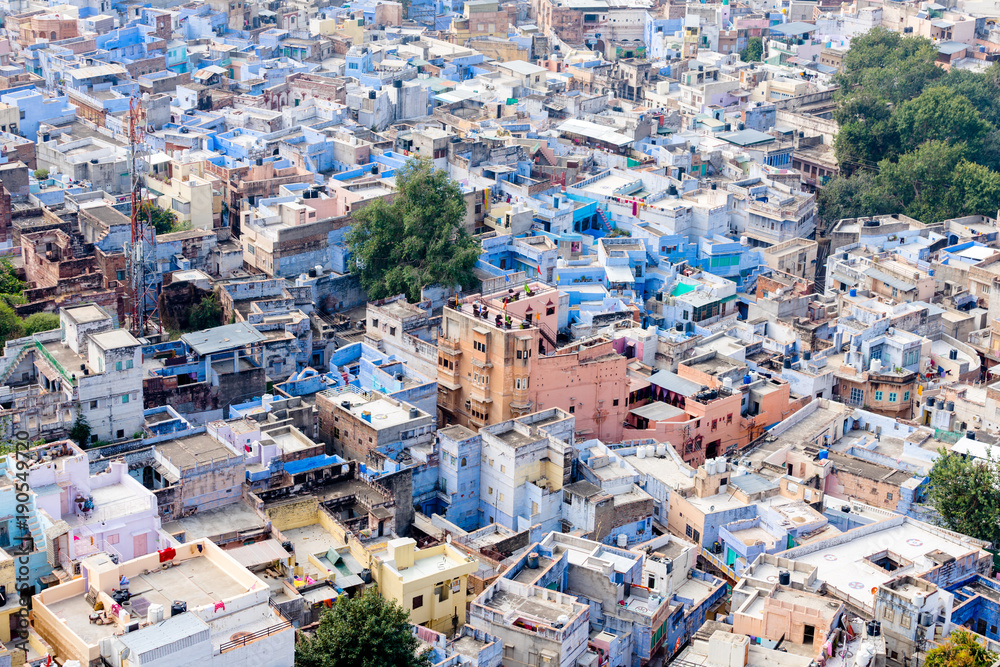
x: 402, y: 550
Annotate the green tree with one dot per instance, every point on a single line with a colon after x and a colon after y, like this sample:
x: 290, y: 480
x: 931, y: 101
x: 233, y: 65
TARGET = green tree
x: 753, y: 51
x: 206, y: 314
x: 164, y: 220
x: 918, y: 183
x: 898, y: 67
x: 975, y: 190
x: 851, y: 197
x: 38, y: 322
x: 41, y: 174
x: 417, y: 240
x: 866, y: 133
x: 363, y: 631
x: 960, y: 649
x: 966, y: 494
x: 9, y: 282
x: 939, y: 114
x: 980, y: 88
x: 11, y: 326
x: 80, y: 433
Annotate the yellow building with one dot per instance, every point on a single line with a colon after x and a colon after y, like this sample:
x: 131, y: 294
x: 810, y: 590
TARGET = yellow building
x: 429, y: 583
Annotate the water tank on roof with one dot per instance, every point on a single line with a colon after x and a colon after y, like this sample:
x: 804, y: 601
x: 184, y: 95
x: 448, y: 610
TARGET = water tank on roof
x: 622, y: 542
x: 661, y: 449
x: 650, y: 451
x: 641, y: 452
x: 784, y: 578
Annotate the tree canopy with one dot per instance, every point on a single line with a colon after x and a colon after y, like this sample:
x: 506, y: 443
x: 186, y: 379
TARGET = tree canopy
x: 38, y: 322
x: 960, y: 649
x: 205, y: 314
x: 754, y: 50
x: 363, y: 631
x: 913, y: 139
x: 415, y: 241
x: 164, y: 220
x: 966, y: 494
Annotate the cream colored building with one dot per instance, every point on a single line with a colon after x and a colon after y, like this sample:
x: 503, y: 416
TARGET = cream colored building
x: 185, y: 190
x: 428, y: 583
x: 225, y: 617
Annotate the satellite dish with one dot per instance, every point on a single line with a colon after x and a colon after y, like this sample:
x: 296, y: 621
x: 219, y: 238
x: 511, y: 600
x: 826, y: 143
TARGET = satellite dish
x: 126, y: 652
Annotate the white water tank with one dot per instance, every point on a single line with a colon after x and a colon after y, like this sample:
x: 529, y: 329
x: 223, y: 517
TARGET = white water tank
x: 622, y: 540
x: 154, y: 613
x: 710, y: 466
x: 650, y: 451
x: 641, y: 452
x: 661, y: 449
x: 720, y: 464
x: 875, y: 366
x: 727, y: 383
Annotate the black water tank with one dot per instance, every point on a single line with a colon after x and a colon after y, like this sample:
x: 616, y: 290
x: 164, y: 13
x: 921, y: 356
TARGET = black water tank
x: 971, y: 435
x: 178, y: 607
x: 874, y: 628
x: 784, y: 578
x: 371, y: 94
x: 929, y: 402
x: 397, y: 84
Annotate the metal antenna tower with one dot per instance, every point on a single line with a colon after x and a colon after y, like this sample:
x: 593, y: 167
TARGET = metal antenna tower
x: 140, y: 255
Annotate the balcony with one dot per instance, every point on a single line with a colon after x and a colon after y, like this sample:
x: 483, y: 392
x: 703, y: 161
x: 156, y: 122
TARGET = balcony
x: 449, y: 347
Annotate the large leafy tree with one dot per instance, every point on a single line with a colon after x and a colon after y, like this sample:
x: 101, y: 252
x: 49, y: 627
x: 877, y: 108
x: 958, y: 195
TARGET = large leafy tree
x: 960, y: 650
x: 898, y: 67
x: 913, y: 139
x: 206, y: 314
x: 753, y: 51
x: 164, y: 220
x: 966, y: 494
x: 916, y: 183
x: 939, y: 114
x: 364, y: 631
x: 38, y: 322
x: 415, y: 241
x: 11, y: 325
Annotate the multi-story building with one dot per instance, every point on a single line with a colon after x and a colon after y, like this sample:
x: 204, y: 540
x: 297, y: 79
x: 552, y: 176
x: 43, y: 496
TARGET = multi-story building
x: 369, y: 426
x: 84, y: 368
x: 507, y: 345
x: 203, y: 608
x: 429, y: 583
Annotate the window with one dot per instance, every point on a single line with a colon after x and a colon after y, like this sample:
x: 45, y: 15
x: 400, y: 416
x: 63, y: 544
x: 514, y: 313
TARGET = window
x: 551, y: 310
x: 93, y: 405
x: 857, y: 395
x: 503, y: 468
x: 501, y: 497
x: 418, y: 601
x: 124, y: 398
x: 118, y: 365
x: 572, y: 409
x: 129, y: 363
x: 120, y: 275
x: 615, y: 402
x: 392, y: 331
x: 892, y: 397
x: 464, y: 462
x: 887, y: 613
x: 906, y: 397
x: 490, y: 490
x: 688, y: 531
x: 888, y: 496
x: 878, y: 395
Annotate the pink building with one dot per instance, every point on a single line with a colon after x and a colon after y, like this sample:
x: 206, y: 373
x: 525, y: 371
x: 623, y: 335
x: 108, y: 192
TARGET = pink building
x: 705, y: 423
x: 109, y: 511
